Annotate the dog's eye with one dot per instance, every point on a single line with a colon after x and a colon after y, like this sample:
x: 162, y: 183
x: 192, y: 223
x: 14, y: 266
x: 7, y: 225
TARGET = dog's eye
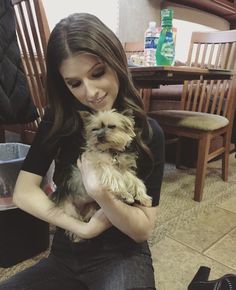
x: 111, y: 126
x: 95, y: 129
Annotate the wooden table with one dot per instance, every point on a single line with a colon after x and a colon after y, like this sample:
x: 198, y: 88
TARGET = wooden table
x: 152, y: 77
x: 146, y: 78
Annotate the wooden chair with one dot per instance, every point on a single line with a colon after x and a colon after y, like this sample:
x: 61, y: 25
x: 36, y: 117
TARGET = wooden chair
x: 134, y: 52
x: 32, y: 33
x: 165, y: 96
x: 208, y: 106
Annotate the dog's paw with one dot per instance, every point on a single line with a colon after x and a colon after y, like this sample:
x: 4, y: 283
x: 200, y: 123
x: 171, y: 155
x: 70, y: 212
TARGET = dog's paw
x: 142, y: 197
x: 144, y: 200
x: 73, y: 237
x: 127, y: 198
x: 141, y: 193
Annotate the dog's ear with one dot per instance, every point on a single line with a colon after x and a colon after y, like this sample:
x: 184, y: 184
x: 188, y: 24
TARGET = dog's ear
x: 85, y: 116
x: 129, y: 113
x: 128, y: 124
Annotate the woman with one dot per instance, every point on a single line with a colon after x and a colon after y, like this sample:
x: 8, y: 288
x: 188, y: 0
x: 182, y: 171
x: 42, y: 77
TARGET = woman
x: 87, y: 70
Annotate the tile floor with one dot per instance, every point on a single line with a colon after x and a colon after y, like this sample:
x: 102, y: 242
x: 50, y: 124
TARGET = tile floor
x: 209, y: 240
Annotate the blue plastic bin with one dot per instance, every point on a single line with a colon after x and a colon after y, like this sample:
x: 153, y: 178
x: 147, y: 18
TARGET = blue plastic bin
x: 12, y: 156
x: 22, y: 235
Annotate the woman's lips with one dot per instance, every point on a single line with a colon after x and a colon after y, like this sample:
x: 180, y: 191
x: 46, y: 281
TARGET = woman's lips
x: 98, y: 100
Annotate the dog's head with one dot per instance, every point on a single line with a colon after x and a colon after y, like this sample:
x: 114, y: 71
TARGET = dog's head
x: 106, y: 130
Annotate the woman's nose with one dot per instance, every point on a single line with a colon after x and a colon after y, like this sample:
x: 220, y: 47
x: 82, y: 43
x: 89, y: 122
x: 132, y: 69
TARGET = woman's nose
x: 91, y: 90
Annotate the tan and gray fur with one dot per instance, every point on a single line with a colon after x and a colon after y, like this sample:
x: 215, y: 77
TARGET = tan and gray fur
x: 108, y: 135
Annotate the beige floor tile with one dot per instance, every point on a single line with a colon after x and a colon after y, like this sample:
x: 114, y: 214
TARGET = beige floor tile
x: 206, y: 229
x: 175, y: 265
x: 229, y: 204
x: 224, y: 250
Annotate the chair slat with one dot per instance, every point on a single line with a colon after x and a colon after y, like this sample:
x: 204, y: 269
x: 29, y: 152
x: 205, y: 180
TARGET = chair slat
x: 214, y: 97
x: 209, y: 64
x: 37, y: 41
x: 222, y: 97
x: 229, y: 102
x: 202, y: 97
x: 204, y: 54
x: 218, y: 53
x: 196, y: 96
x: 197, y: 55
x: 225, y: 55
x: 209, y: 90
x: 231, y: 59
x: 32, y: 34
x: 189, y: 95
x: 29, y: 57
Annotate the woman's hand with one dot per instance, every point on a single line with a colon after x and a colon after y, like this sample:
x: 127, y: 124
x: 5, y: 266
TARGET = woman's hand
x: 90, y: 177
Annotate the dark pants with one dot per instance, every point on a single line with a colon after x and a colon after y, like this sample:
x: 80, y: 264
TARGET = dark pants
x: 104, y: 267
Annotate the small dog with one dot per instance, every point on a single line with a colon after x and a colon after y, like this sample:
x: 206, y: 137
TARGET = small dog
x: 108, y: 135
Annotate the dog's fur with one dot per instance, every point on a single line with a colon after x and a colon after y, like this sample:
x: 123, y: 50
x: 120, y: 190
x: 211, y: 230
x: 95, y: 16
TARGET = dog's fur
x: 108, y: 135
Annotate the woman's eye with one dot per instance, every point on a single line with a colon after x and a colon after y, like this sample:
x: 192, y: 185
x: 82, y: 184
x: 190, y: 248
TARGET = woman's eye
x: 98, y: 73
x: 74, y: 84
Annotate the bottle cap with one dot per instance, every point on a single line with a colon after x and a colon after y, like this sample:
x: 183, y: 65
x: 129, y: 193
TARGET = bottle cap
x: 152, y: 24
x: 166, y: 17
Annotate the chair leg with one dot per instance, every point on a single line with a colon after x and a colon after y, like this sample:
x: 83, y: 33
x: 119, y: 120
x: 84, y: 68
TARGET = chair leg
x: 145, y: 95
x: 203, y: 151
x: 225, y: 157
x: 178, y: 153
x: 2, y: 135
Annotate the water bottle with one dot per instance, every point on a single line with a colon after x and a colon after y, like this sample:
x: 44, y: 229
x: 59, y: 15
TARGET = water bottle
x: 150, y: 44
x: 165, y: 51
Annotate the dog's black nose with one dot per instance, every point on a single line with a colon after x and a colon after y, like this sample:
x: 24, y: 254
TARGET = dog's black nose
x: 101, y: 137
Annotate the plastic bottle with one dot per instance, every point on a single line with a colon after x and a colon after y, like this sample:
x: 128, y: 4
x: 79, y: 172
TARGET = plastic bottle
x: 150, y: 44
x: 165, y: 51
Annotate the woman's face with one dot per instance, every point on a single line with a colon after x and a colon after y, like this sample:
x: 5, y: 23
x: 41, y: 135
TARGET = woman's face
x: 90, y: 80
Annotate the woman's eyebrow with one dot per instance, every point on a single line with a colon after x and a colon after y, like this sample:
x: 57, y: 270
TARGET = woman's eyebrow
x: 96, y: 64
x: 92, y: 67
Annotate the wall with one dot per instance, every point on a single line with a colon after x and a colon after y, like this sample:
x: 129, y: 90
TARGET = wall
x: 135, y: 15
x: 98, y: 8
x: 201, y: 17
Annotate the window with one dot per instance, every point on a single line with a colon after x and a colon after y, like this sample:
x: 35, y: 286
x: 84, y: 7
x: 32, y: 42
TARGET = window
x: 106, y: 10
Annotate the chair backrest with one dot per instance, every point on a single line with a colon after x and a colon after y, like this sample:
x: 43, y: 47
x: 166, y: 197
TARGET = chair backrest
x: 213, y: 50
x: 32, y: 34
x: 134, y: 52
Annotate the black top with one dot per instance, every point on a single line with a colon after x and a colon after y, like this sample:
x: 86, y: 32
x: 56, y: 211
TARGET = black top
x: 40, y: 157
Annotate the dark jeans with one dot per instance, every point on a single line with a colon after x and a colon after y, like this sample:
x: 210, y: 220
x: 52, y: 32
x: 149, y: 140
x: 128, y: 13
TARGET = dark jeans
x: 100, y: 267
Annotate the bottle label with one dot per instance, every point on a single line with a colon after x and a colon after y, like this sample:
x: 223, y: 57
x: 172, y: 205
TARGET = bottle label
x: 150, y: 42
x: 169, y: 36
x: 166, y: 49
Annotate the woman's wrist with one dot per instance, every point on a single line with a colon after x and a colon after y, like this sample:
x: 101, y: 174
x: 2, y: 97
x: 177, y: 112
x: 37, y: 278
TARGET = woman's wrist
x: 97, y: 224
x: 71, y: 224
x: 87, y: 230
x: 102, y: 195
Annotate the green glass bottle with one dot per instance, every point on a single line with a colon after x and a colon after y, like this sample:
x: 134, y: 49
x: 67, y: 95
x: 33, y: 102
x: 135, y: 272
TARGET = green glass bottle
x: 165, y: 52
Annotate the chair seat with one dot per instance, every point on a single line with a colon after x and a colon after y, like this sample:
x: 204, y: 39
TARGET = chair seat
x: 191, y: 120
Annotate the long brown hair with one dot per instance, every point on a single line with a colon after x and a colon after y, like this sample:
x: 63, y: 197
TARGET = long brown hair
x: 85, y: 32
